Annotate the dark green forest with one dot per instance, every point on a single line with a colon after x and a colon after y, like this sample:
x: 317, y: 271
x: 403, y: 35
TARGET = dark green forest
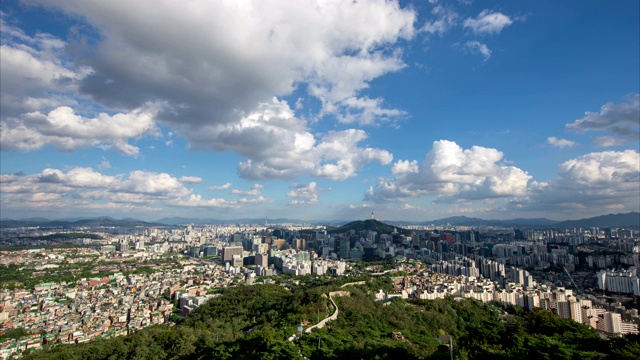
x: 254, y: 322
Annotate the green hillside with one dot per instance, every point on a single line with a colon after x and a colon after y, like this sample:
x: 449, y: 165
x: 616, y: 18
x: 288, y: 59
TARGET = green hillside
x: 373, y: 225
x: 254, y: 322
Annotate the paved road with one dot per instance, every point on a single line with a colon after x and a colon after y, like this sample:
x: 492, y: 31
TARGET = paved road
x: 324, y: 322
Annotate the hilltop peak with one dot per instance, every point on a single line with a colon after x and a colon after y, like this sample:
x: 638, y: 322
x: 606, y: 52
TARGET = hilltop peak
x: 369, y: 224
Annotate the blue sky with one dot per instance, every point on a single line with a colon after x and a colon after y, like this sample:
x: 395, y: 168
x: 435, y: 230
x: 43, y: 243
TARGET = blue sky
x: 320, y: 110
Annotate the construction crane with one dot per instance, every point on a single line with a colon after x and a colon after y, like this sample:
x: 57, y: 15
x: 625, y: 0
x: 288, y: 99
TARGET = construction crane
x: 573, y: 282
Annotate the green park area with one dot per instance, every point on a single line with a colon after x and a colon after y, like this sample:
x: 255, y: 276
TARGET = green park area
x: 257, y: 322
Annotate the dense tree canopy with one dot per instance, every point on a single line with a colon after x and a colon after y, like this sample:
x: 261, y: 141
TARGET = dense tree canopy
x: 248, y: 322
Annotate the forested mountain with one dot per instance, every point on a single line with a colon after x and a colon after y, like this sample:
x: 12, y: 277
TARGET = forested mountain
x: 631, y: 219
x: 255, y: 322
x: 371, y: 224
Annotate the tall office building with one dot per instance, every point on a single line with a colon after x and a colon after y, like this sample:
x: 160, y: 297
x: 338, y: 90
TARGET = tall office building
x: 229, y: 251
x: 345, y: 246
x: 262, y: 260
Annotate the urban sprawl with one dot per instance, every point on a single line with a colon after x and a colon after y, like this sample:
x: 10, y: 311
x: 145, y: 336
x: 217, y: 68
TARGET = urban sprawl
x: 125, y: 279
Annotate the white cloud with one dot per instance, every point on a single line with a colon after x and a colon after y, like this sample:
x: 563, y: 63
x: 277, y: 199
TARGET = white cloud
x: 85, y: 188
x: 256, y: 189
x: 622, y: 120
x: 215, y: 78
x: 296, y: 152
x: 66, y: 130
x: 219, y: 60
x: 35, y: 74
x: 488, y: 22
x: 190, y: 179
x: 592, y: 181
x: 405, y: 167
x: 602, y: 168
x: 40, y: 91
x: 304, y: 194
x: 445, y: 19
x: 361, y: 206
x: 342, y: 146
x: 221, y: 187
x: 476, y: 47
x: 150, y: 183
x: 254, y: 200
x: 367, y: 111
x: 607, y: 141
x: 197, y: 201
x: 105, y: 164
x: 561, y: 143
x: 453, y: 173
x: 77, y: 178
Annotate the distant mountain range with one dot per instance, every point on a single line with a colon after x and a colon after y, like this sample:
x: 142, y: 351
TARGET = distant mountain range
x: 467, y: 221
x: 210, y: 221
x: 75, y: 223
x: 629, y: 220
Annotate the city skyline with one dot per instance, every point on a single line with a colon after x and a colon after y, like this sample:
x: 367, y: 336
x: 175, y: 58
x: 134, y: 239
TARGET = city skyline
x: 320, y: 110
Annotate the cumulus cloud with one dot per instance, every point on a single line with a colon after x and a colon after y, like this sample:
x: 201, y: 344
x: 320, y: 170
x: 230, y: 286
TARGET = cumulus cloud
x: 487, y: 23
x: 453, y: 173
x: 256, y: 189
x: 334, y: 155
x: 39, y: 93
x: 561, y: 143
x: 342, y: 147
x: 194, y: 200
x: 621, y: 120
x: 476, y: 47
x: 66, y: 130
x: 405, y: 167
x: 304, y: 194
x: 220, y: 187
x: 85, y: 188
x: 221, y: 59
x: 35, y: 73
x: 606, y: 179
x: 190, y: 179
x: 214, y: 77
x: 77, y: 177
